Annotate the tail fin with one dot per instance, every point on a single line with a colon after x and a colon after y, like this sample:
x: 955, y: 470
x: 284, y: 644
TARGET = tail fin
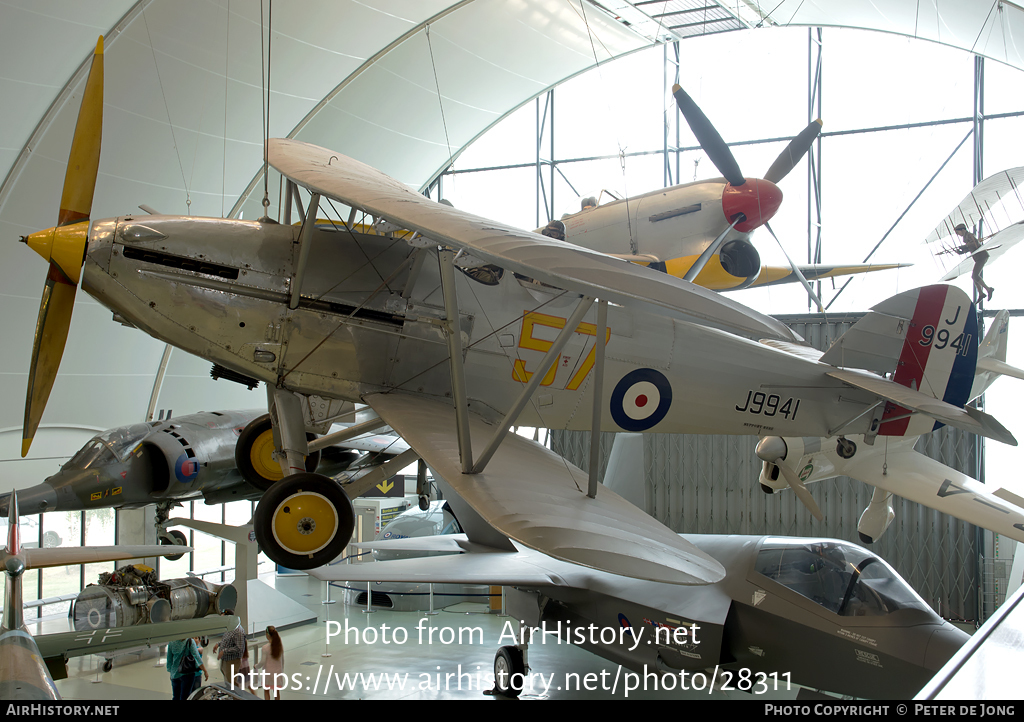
x: 992, y: 356
x: 927, y: 340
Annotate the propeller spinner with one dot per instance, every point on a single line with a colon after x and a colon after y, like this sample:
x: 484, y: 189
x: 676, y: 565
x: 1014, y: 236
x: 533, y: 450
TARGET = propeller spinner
x: 64, y: 247
x: 773, y: 450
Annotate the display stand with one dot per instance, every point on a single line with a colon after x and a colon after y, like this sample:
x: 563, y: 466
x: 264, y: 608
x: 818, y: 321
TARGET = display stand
x: 269, y: 606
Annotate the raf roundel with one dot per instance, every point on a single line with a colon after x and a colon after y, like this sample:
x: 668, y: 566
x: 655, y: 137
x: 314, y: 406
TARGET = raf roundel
x: 186, y: 469
x: 641, y: 400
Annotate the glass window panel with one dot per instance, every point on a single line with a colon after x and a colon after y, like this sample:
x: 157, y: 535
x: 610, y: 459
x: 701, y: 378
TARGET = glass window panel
x: 1004, y: 88
x: 510, y: 141
x: 99, y: 531
x: 508, y: 196
x: 879, y: 79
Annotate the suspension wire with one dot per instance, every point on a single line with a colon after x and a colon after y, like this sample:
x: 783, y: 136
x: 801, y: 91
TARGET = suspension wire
x: 622, y: 151
x: 167, y: 109
x: 265, y: 93
x: 440, y: 104
x: 224, y: 156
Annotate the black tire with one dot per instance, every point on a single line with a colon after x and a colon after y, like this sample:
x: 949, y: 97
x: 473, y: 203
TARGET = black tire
x: 178, y: 538
x: 108, y: 665
x: 508, y: 662
x: 253, y: 454
x: 291, y: 511
x: 51, y: 539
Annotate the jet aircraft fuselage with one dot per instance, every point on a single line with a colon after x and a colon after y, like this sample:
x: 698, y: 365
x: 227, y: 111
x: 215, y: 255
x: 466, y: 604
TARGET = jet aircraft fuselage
x: 784, y: 606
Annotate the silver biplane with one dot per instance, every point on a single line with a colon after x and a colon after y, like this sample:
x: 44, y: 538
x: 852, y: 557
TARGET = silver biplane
x: 451, y: 328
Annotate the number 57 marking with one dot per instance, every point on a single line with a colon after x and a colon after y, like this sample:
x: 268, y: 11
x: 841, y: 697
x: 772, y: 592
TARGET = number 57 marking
x: 528, y: 341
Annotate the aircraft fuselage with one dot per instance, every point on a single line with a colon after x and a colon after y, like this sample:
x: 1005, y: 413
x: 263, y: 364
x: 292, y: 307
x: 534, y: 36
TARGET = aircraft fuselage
x: 753, y: 632
x: 366, y: 323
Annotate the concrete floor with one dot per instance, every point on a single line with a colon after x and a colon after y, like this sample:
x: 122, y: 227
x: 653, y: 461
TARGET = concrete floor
x: 423, y: 652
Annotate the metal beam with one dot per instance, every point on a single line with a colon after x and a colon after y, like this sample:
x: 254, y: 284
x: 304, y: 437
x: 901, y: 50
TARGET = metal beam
x: 366, y: 427
x: 595, y: 416
x: 305, y: 241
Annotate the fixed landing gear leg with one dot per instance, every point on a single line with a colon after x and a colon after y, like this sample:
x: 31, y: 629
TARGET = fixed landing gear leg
x: 289, y: 429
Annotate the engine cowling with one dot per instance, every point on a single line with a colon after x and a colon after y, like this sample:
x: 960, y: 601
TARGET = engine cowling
x: 739, y: 258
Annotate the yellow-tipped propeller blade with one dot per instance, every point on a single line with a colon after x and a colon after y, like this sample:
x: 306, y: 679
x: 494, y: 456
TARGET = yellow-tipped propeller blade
x: 51, y: 335
x: 64, y: 247
x: 84, y: 161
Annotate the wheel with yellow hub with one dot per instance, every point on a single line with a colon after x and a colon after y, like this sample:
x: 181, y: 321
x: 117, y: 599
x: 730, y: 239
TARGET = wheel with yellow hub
x: 304, y: 521
x: 254, y: 454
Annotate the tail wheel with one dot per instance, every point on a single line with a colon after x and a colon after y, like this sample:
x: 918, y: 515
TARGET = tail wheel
x: 254, y: 454
x: 304, y: 521
x: 174, y: 538
x: 509, y: 671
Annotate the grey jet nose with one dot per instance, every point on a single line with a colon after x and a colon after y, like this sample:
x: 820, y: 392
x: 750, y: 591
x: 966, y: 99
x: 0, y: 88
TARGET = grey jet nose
x: 33, y: 500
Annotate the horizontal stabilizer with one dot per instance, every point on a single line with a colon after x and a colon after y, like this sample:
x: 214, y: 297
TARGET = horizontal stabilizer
x: 40, y: 558
x: 556, y: 263
x: 1000, y: 367
x: 968, y: 419
x: 535, y: 497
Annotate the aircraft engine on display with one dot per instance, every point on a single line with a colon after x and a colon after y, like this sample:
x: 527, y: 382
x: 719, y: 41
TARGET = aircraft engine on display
x: 133, y: 595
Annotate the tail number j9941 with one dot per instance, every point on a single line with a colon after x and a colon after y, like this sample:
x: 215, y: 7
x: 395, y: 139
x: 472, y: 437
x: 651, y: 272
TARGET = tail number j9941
x: 758, y: 402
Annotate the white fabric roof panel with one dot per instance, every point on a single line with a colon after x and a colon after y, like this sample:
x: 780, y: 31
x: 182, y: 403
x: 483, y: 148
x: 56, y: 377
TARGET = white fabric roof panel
x: 992, y: 28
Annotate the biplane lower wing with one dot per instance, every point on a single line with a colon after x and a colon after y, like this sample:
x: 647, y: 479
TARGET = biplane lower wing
x: 556, y: 263
x: 533, y: 496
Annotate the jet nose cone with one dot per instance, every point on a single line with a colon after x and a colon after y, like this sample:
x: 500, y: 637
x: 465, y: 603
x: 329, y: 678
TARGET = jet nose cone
x: 757, y: 200
x: 942, y: 645
x: 34, y: 500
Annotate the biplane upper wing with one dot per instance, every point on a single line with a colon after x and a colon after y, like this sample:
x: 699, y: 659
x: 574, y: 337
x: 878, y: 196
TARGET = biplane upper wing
x: 535, y: 497
x: 553, y: 262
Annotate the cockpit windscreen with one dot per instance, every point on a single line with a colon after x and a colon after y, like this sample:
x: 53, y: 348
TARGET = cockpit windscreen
x: 843, y: 578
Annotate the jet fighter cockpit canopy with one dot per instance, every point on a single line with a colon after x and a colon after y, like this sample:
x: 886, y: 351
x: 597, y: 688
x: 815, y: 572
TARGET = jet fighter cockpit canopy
x: 843, y: 578
x: 113, y: 445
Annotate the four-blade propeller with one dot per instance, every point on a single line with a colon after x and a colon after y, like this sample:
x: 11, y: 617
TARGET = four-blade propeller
x: 64, y: 247
x: 746, y: 202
